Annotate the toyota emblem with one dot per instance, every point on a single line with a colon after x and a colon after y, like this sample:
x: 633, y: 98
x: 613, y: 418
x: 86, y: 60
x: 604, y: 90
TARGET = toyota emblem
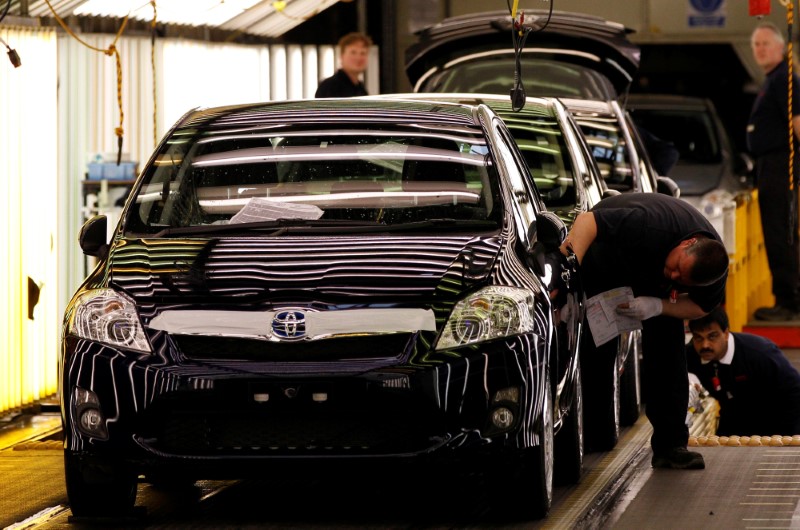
x: 289, y: 324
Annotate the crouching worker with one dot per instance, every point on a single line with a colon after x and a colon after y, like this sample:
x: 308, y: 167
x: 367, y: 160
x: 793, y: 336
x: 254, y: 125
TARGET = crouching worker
x: 757, y: 387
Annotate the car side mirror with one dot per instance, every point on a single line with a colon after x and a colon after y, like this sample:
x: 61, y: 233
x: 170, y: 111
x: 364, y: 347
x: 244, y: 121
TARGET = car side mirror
x: 546, y: 234
x: 667, y: 186
x: 93, y: 236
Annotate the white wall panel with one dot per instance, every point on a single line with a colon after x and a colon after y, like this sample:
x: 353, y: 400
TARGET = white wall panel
x: 28, y: 219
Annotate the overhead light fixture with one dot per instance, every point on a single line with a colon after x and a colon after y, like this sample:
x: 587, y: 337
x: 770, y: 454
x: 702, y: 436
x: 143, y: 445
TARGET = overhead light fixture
x: 199, y: 13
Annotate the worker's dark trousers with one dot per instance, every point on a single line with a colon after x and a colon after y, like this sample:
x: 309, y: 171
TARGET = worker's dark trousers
x: 665, y: 382
x: 774, y: 200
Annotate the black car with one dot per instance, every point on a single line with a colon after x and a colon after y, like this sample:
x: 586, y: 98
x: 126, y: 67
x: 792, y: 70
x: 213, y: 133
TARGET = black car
x: 308, y: 284
x: 588, y: 62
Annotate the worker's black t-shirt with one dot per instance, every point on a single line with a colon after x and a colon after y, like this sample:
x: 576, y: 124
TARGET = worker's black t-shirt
x: 635, y: 233
x: 339, y: 85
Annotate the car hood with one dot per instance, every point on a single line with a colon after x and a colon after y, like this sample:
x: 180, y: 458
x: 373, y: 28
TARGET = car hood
x: 604, y: 43
x: 258, y: 272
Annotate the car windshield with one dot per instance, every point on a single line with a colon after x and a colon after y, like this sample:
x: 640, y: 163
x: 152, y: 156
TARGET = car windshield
x: 317, y: 175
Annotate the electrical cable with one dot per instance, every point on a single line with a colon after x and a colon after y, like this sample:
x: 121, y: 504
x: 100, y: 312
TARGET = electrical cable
x: 5, y: 11
x: 153, y: 67
x: 112, y: 50
x: 789, y: 5
x: 519, y: 36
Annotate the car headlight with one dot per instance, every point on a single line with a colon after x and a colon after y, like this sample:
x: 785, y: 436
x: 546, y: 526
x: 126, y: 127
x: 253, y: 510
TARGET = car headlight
x: 491, y: 313
x: 104, y: 315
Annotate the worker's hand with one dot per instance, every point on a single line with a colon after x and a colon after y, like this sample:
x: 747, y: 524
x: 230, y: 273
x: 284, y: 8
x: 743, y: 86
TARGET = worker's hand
x: 641, y: 307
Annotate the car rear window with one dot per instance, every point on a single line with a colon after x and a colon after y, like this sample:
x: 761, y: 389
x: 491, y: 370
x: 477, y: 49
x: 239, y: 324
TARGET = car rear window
x: 494, y: 74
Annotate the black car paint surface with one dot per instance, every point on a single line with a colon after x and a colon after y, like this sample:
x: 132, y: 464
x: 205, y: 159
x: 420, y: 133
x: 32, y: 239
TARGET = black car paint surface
x: 204, y: 347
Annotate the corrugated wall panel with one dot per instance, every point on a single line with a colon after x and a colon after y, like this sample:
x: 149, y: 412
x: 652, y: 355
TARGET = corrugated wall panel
x: 28, y: 220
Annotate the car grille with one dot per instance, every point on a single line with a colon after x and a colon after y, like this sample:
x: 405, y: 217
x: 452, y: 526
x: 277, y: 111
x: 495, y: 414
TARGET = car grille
x: 370, y: 346
x: 298, y: 431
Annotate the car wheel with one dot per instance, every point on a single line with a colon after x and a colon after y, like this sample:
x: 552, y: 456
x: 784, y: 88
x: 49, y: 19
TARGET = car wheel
x: 98, y: 490
x: 540, y: 474
x: 569, y: 441
x: 602, y: 413
x: 522, y: 487
x: 630, y: 386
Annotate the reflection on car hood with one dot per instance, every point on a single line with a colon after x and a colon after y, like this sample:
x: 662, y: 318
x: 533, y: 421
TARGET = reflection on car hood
x: 459, y: 36
x: 330, y: 269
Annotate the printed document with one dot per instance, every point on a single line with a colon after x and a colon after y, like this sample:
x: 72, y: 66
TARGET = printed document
x: 604, y: 321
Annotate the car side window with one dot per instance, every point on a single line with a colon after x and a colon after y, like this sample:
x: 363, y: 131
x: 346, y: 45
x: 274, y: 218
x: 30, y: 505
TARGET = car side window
x: 610, y: 151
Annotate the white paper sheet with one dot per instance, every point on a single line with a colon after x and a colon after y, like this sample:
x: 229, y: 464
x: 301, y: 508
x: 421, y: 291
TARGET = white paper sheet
x: 604, y: 321
x: 261, y: 209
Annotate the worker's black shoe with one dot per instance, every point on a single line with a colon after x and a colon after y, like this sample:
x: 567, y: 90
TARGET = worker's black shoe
x: 678, y: 458
x: 775, y: 313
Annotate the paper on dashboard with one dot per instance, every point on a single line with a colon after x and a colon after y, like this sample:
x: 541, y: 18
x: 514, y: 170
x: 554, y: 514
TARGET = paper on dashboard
x: 604, y: 321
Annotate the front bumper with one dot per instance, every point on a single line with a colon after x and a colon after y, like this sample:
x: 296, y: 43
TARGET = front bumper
x: 206, y: 415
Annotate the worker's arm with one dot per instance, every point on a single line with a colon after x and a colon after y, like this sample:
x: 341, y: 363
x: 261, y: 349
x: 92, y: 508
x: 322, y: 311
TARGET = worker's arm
x: 683, y: 308
x: 796, y: 126
x: 582, y: 234
x: 644, y: 307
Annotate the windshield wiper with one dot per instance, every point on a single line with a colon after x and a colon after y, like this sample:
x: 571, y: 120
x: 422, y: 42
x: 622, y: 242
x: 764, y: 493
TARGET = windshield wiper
x: 279, y: 225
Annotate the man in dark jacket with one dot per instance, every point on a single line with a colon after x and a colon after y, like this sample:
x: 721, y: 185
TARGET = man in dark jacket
x: 346, y: 82
x: 757, y: 387
x: 768, y: 142
x: 676, y: 265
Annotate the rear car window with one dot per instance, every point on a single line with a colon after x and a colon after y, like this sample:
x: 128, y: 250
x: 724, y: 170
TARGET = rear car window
x: 492, y: 73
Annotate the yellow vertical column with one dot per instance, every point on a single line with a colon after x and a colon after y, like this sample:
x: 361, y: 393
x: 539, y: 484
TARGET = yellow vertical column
x: 760, y: 289
x: 737, y: 288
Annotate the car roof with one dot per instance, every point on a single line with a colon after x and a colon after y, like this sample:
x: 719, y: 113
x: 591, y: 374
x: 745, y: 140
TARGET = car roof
x: 334, y: 110
x: 617, y: 58
x: 588, y: 105
x: 494, y: 101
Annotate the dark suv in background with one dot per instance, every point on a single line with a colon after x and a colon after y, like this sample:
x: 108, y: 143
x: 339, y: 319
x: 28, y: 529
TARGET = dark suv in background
x: 707, y: 160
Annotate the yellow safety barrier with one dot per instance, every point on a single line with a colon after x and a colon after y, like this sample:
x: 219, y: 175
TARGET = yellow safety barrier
x: 749, y: 281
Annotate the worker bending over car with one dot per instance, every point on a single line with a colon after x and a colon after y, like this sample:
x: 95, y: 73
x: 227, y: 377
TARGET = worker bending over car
x: 676, y: 265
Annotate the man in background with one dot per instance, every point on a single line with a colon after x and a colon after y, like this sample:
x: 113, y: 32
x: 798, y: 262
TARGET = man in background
x: 757, y: 388
x: 768, y: 142
x: 353, y: 56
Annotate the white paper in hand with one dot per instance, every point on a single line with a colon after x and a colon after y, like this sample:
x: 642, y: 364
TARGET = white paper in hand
x: 604, y: 321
